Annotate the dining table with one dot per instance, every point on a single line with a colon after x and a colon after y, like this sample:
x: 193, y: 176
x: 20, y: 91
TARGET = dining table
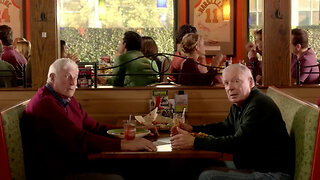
x: 164, y: 151
x: 173, y: 164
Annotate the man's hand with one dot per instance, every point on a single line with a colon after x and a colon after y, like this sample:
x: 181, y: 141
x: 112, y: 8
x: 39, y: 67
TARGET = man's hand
x: 154, y: 132
x: 137, y: 144
x: 183, y: 140
x: 183, y: 126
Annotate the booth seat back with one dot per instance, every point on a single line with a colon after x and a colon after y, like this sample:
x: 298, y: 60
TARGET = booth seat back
x: 302, y: 121
x: 11, y: 151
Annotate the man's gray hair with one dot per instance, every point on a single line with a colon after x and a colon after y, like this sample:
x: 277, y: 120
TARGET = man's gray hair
x: 242, y: 68
x: 60, y: 64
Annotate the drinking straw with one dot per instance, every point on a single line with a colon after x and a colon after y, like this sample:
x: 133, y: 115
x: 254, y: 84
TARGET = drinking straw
x: 183, y: 112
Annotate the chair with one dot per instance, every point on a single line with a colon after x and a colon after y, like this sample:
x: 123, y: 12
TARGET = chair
x: 302, y: 125
x: 315, y: 173
x: 8, y: 77
x: 165, y: 66
x: 11, y: 151
x: 303, y: 67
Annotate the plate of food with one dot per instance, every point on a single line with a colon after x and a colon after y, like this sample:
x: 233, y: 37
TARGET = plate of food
x: 119, y: 133
x: 161, y: 122
x: 163, y: 126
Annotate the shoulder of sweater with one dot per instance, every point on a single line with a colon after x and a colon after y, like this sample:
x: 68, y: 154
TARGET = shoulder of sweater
x: 308, y: 54
x: 260, y: 99
x: 133, y: 53
x: 129, y: 55
x: 190, y: 61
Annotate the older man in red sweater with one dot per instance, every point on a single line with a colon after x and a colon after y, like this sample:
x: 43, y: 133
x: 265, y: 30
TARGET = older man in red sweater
x: 58, y: 134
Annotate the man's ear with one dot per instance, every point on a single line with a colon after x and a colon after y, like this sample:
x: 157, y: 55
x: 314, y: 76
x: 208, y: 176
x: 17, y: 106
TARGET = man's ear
x: 298, y: 47
x: 124, y: 47
x: 52, y: 77
x: 251, y: 82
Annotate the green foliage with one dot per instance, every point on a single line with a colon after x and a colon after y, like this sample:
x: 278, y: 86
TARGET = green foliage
x: 313, y: 38
x: 97, y: 42
x: 90, y: 36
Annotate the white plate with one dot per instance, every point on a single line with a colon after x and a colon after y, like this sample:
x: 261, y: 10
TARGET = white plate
x: 120, y: 134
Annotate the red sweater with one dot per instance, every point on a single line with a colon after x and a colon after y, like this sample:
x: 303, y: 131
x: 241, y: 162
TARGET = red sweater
x: 57, y: 138
x: 16, y: 59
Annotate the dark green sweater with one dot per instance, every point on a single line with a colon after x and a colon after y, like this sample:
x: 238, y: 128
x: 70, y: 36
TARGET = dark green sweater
x: 254, y: 133
x: 142, y: 67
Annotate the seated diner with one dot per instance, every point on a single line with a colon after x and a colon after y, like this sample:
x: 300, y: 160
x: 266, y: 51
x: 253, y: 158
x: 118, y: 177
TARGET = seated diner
x: 192, y: 46
x: 130, y: 69
x: 58, y: 135
x: 304, y: 54
x: 254, y: 132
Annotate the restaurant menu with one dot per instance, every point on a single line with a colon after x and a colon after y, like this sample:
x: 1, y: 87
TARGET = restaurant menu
x: 161, y: 100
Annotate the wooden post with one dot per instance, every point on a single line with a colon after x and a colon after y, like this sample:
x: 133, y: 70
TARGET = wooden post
x: 276, y: 36
x: 44, y: 38
x: 244, y: 11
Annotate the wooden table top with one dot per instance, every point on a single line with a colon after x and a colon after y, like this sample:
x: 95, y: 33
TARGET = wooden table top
x: 183, y: 154
x: 168, y: 154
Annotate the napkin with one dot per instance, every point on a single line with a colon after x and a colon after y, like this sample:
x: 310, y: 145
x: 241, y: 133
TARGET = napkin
x: 149, y: 118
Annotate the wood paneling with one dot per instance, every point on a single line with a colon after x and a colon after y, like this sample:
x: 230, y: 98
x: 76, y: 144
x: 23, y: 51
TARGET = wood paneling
x: 276, y: 37
x: 244, y: 12
x: 206, y: 105
x: 43, y: 20
x: 310, y: 94
x: 11, y: 97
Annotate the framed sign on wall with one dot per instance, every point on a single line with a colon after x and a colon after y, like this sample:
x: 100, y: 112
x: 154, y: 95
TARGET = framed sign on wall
x: 11, y: 14
x: 214, y: 20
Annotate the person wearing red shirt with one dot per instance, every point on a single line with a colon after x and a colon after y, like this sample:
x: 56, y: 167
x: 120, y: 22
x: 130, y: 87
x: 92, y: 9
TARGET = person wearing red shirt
x: 305, y: 55
x: 176, y: 61
x: 58, y: 135
x: 9, y: 54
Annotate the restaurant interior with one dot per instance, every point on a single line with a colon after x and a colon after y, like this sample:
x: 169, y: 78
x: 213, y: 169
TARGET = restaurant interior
x: 92, y: 30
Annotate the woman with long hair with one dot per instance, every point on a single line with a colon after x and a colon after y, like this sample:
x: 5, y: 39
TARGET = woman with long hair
x: 192, y: 46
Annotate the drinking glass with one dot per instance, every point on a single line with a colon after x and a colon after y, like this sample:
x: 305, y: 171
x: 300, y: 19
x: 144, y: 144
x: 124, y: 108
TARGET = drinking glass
x: 178, y: 118
x: 129, y: 128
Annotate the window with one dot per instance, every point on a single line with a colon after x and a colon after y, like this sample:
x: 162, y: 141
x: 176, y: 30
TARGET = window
x: 304, y: 15
x: 93, y: 28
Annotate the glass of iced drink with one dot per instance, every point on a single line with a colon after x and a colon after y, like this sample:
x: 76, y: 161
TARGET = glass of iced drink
x: 129, y: 128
